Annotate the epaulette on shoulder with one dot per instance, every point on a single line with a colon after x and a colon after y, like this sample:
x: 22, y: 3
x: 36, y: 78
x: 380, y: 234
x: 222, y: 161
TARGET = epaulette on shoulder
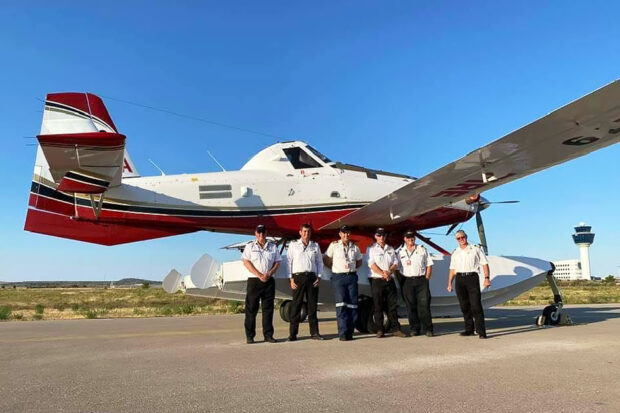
x: 334, y: 242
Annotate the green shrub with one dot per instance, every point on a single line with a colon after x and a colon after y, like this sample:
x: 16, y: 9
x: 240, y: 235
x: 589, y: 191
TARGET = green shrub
x: 37, y: 316
x: 38, y: 309
x: 75, y: 307
x: 5, y: 312
x: 237, y: 307
x: 59, y: 307
x: 185, y: 309
x: 146, y: 286
x: 137, y: 311
x: 95, y: 313
x: 18, y: 316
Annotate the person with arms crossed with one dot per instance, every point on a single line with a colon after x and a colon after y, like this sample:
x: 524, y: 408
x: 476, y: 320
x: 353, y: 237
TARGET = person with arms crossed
x: 262, y: 259
x: 416, y: 268
x: 464, y: 264
x: 383, y: 262
x: 306, y: 264
x: 343, y: 257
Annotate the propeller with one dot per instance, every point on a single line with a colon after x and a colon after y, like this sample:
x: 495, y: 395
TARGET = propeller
x: 482, y: 204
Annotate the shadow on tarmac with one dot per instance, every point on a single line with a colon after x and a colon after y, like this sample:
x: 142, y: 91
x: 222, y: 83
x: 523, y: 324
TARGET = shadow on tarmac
x: 508, y: 320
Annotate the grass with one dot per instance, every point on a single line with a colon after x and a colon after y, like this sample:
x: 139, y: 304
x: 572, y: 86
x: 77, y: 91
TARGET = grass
x: 573, y: 292
x: 75, y: 303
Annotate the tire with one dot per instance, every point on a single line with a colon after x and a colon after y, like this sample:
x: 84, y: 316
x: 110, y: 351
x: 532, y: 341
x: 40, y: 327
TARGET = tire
x: 364, y: 313
x: 551, y: 315
x: 285, y: 308
x: 285, y: 311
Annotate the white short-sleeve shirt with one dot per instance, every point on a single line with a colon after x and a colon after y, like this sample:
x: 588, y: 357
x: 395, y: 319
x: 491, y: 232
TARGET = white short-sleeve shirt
x: 305, y: 258
x: 413, y: 263
x: 344, y: 259
x: 263, y: 258
x: 468, y: 259
x: 384, y: 258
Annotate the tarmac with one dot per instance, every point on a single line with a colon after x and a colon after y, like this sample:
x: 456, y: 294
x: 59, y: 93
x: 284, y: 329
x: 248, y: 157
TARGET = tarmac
x: 202, y: 363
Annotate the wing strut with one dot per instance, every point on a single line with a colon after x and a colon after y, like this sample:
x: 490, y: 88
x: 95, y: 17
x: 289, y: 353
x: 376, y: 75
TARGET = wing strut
x: 432, y: 244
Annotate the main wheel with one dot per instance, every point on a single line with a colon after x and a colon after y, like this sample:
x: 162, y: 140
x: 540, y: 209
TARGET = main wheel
x: 285, y: 311
x: 285, y: 308
x: 551, y: 314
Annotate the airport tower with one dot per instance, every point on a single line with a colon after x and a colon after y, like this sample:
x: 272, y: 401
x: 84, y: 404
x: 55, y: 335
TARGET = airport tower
x: 584, y: 237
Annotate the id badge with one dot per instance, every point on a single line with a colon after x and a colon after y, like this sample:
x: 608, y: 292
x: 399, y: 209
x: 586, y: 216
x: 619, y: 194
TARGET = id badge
x: 409, y: 262
x: 351, y: 266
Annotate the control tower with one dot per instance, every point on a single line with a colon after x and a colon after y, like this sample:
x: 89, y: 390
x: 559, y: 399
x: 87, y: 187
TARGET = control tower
x: 584, y: 237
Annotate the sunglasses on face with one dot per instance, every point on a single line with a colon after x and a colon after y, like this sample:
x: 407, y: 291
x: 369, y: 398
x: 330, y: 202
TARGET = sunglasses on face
x: 380, y: 235
x: 460, y: 238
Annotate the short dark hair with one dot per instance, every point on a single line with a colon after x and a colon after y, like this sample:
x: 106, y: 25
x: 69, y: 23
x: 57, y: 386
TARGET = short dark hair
x: 305, y: 225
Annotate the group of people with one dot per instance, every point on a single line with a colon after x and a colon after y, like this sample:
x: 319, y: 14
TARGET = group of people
x: 411, y: 265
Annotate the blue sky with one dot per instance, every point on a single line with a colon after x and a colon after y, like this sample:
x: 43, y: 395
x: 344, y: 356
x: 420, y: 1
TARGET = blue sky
x: 400, y: 86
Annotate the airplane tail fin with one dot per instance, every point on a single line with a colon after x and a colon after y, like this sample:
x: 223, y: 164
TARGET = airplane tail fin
x: 69, y: 120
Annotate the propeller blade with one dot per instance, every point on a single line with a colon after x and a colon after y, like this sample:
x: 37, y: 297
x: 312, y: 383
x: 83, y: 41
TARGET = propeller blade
x: 498, y: 202
x: 451, y: 228
x: 481, y: 233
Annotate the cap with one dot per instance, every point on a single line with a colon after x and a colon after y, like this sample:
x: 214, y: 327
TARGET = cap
x: 409, y: 233
x: 345, y: 228
x: 260, y: 228
x: 380, y: 231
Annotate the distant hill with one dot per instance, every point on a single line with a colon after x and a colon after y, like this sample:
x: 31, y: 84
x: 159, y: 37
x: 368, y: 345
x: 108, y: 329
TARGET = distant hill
x: 125, y: 282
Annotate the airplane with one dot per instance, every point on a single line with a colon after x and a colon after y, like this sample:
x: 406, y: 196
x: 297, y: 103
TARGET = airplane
x: 85, y: 187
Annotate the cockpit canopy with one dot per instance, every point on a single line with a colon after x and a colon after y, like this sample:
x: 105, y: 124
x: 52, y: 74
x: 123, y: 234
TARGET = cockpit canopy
x: 287, y: 156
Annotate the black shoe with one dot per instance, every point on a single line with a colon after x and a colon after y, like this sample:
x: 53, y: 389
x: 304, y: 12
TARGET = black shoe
x: 292, y: 338
x: 380, y: 334
x: 466, y: 333
x: 250, y: 341
x: 349, y: 338
x: 429, y: 333
x: 270, y: 340
x: 317, y: 337
x: 415, y: 333
x: 483, y: 335
x: 343, y: 338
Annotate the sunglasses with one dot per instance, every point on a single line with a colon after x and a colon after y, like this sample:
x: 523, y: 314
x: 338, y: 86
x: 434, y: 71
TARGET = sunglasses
x: 380, y: 235
x: 460, y: 238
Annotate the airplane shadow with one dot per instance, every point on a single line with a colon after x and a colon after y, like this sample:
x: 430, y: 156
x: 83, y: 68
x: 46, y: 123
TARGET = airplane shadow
x: 507, y: 321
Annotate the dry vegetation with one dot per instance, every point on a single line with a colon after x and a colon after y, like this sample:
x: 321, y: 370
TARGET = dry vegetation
x: 574, y: 292
x: 72, y: 303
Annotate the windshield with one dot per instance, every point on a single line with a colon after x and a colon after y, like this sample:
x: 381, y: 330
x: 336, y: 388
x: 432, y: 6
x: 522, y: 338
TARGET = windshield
x: 300, y: 158
x: 318, y: 154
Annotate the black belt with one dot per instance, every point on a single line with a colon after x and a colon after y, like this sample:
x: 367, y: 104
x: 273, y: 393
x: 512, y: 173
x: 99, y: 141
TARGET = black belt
x: 346, y: 273
x: 304, y: 273
x: 466, y: 273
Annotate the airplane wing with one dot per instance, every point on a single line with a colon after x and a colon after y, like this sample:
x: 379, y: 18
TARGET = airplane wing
x: 84, y: 151
x: 581, y: 127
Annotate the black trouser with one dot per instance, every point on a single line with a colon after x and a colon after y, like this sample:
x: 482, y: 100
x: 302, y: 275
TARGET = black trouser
x: 305, y: 287
x: 385, y: 297
x: 265, y: 292
x: 468, y: 292
x: 417, y: 296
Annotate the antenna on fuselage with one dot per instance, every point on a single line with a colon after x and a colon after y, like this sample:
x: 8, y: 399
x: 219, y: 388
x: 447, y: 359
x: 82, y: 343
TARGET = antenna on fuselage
x: 215, y: 160
x: 158, y: 168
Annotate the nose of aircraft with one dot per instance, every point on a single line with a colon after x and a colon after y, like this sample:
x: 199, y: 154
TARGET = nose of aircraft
x: 483, y: 204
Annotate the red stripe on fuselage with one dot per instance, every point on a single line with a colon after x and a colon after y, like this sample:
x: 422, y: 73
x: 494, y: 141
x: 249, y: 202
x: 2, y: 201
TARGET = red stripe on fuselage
x: 282, y: 225
x: 97, y: 139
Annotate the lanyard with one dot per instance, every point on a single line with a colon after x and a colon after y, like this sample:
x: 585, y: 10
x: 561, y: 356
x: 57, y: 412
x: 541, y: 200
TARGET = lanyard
x: 412, y: 252
x: 346, y: 251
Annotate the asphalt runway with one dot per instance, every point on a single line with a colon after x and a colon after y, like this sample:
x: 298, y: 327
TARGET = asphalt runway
x: 202, y: 363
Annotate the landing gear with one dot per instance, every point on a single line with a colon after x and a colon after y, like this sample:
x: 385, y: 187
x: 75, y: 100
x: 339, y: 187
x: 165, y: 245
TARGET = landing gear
x: 553, y: 315
x: 365, y: 321
x: 285, y: 310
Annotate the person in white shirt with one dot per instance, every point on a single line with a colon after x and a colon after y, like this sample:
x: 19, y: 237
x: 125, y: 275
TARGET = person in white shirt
x: 306, y: 264
x: 464, y: 264
x: 383, y: 262
x: 262, y: 259
x: 416, y: 267
x: 343, y: 257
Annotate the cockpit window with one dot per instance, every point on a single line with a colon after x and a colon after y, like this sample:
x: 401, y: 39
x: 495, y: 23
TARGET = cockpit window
x: 318, y: 154
x: 300, y: 159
